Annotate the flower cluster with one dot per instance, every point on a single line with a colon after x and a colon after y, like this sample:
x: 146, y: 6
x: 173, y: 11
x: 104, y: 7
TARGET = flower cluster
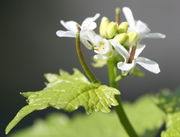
x: 122, y: 40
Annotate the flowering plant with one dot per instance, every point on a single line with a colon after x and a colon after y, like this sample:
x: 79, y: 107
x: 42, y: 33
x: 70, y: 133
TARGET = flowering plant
x: 118, y: 45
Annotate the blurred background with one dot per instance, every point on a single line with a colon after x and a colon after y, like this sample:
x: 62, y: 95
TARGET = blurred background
x: 30, y: 48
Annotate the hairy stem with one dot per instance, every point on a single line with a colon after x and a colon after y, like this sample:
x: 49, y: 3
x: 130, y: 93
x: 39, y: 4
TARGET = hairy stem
x: 82, y: 61
x: 112, y: 71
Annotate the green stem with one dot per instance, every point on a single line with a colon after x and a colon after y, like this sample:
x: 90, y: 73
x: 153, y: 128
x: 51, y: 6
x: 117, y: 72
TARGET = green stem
x: 82, y: 61
x: 112, y: 71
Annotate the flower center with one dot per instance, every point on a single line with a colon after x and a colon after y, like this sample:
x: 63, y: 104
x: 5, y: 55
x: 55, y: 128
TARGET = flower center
x: 100, y: 46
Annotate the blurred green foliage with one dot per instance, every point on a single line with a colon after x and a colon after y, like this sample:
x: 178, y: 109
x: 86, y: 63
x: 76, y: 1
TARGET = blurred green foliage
x: 169, y: 102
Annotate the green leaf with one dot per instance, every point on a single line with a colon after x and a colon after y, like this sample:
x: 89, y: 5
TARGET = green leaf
x: 144, y: 115
x: 68, y: 92
x: 169, y: 101
x: 172, y: 125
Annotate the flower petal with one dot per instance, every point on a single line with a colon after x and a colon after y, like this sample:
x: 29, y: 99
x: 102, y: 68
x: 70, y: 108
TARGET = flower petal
x: 125, y: 66
x: 129, y: 16
x: 148, y: 64
x: 100, y: 57
x: 90, y: 34
x: 85, y: 39
x: 70, y: 25
x: 155, y: 35
x: 89, y: 24
x: 88, y: 38
x: 139, y: 50
x: 120, y: 49
x: 98, y: 39
x: 61, y: 33
x: 86, y: 44
x: 142, y: 28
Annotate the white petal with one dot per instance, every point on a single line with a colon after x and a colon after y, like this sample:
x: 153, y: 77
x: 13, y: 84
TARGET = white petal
x: 61, y: 33
x: 142, y: 28
x: 86, y: 40
x: 90, y: 35
x: 100, y: 57
x: 86, y: 44
x: 148, y: 64
x: 70, y: 25
x: 155, y: 36
x: 125, y: 66
x: 89, y: 24
x: 129, y: 16
x: 139, y: 50
x: 120, y: 49
x: 98, y: 39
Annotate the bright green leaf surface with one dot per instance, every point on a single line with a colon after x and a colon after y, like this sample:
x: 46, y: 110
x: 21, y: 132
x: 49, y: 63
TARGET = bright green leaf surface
x: 145, y: 116
x: 173, y: 126
x: 68, y: 92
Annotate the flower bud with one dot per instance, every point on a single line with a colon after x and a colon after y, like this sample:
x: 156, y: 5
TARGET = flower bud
x: 103, y: 26
x: 112, y: 30
x: 121, y: 38
x: 123, y: 27
x: 132, y: 37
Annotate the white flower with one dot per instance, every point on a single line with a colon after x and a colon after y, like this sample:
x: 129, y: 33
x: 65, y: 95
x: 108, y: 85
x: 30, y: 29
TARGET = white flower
x: 126, y: 66
x: 72, y: 28
x: 102, y: 46
x: 140, y: 27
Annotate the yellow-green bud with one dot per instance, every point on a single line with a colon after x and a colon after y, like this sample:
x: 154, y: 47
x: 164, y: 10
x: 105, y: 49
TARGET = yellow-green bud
x: 132, y: 37
x: 121, y: 38
x: 112, y: 29
x: 123, y: 27
x: 103, y: 26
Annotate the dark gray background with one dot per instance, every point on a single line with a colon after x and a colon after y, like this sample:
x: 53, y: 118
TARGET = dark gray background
x: 30, y: 48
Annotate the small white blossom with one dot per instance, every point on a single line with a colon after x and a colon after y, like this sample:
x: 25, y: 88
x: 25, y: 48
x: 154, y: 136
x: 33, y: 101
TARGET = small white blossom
x: 72, y: 29
x: 140, y: 27
x: 102, y: 47
x: 126, y: 66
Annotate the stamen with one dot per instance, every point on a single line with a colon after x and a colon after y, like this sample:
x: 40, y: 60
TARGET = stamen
x: 132, y: 54
x: 100, y: 47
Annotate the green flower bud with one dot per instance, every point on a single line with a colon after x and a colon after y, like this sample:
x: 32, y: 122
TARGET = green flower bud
x: 121, y: 38
x: 132, y: 37
x: 123, y: 27
x: 103, y: 26
x: 112, y: 29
